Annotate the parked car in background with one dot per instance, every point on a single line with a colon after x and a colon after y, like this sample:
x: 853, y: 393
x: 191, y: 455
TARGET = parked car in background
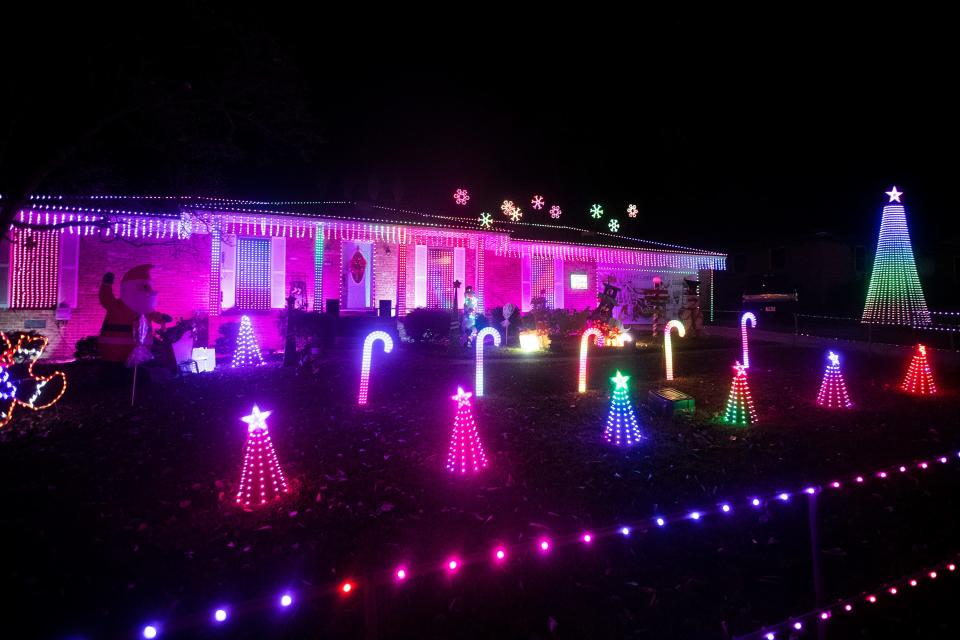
x: 772, y: 298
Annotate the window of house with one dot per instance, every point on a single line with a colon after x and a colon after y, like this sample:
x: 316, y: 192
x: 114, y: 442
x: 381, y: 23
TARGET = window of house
x: 34, y: 265
x: 859, y: 259
x: 778, y: 259
x: 253, y: 274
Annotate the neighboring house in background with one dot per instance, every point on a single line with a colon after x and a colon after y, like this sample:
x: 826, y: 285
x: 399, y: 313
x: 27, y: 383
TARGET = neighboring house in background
x: 831, y: 272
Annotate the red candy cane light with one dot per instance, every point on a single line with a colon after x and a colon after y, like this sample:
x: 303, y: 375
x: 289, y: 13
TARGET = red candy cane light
x: 668, y: 345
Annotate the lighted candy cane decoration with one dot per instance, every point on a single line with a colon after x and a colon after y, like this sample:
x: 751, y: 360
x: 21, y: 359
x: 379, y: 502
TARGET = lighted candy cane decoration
x: 483, y: 333
x: 367, y: 355
x: 668, y: 345
x: 584, y: 342
x: 748, y: 316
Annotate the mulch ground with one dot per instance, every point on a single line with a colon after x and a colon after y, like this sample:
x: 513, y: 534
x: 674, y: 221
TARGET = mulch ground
x: 114, y: 516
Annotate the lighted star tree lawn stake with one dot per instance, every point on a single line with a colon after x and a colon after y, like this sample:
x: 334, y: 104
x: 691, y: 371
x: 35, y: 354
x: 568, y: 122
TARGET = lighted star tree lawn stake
x: 262, y: 480
x: 895, y: 295
x: 622, y: 429
x: 466, y: 451
x: 739, y: 411
x: 247, y: 353
x: 919, y: 378
x: 833, y: 390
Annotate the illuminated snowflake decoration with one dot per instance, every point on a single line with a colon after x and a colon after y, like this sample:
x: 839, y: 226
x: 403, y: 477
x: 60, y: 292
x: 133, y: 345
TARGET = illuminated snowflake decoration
x: 515, y: 214
x: 596, y: 212
x: 507, y: 207
x: 461, y: 197
x: 555, y: 212
x: 614, y: 226
x: 485, y: 220
x: 632, y: 210
x: 537, y: 202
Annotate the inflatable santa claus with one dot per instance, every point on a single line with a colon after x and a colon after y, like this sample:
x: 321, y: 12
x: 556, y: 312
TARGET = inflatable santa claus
x: 118, y: 336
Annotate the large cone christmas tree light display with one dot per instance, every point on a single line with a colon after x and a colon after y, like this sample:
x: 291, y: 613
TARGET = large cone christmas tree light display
x: 739, y: 411
x: 833, y: 390
x: 262, y: 480
x: 622, y: 427
x: 466, y: 451
x: 895, y: 295
x: 247, y: 353
x: 919, y: 378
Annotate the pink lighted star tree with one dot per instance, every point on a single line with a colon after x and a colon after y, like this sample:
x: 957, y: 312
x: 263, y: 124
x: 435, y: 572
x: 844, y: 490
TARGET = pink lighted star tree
x: 466, y: 451
x: 262, y: 479
x: 833, y: 390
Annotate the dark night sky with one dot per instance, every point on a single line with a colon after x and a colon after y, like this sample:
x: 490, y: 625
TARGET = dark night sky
x: 718, y: 126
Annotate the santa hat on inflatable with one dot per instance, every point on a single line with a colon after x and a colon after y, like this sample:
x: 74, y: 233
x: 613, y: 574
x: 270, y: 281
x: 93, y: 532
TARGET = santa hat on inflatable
x: 139, y: 272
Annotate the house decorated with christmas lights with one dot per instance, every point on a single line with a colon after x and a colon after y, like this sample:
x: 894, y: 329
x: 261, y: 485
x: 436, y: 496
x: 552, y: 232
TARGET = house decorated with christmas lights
x: 222, y: 258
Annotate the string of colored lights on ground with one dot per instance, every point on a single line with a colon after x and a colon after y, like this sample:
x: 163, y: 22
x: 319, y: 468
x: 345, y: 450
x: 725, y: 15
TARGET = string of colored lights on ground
x: 627, y: 530
x: 851, y: 606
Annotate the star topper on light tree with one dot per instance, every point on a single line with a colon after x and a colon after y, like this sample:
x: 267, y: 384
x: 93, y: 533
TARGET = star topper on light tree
x: 262, y: 480
x: 622, y: 428
x: 466, y: 454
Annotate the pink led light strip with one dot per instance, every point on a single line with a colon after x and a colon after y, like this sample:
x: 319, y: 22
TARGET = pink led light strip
x: 792, y: 627
x: 499, y: 554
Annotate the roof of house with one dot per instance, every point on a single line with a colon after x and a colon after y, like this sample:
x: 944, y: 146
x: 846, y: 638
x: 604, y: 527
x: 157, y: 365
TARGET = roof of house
x: 524, y: 231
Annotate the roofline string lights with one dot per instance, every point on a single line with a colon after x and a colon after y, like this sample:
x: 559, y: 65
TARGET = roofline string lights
x: 627, y: 530
x: 792, y: 627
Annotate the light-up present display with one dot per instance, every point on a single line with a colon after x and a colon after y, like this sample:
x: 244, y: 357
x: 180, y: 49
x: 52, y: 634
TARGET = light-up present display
x: 465, y: 454
x: 622, y: 429
x: 895, y: 295
x: 261, y: 480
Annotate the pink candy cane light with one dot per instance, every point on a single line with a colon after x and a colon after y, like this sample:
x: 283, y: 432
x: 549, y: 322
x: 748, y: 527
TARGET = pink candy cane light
x: 752, y: 319
x: 668, y: 345
x: 481, y: 335
x: 367, y: 355
x: 584, y: 341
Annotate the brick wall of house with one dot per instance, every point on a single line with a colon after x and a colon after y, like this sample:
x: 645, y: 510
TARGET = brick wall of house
x: 181, y: 276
